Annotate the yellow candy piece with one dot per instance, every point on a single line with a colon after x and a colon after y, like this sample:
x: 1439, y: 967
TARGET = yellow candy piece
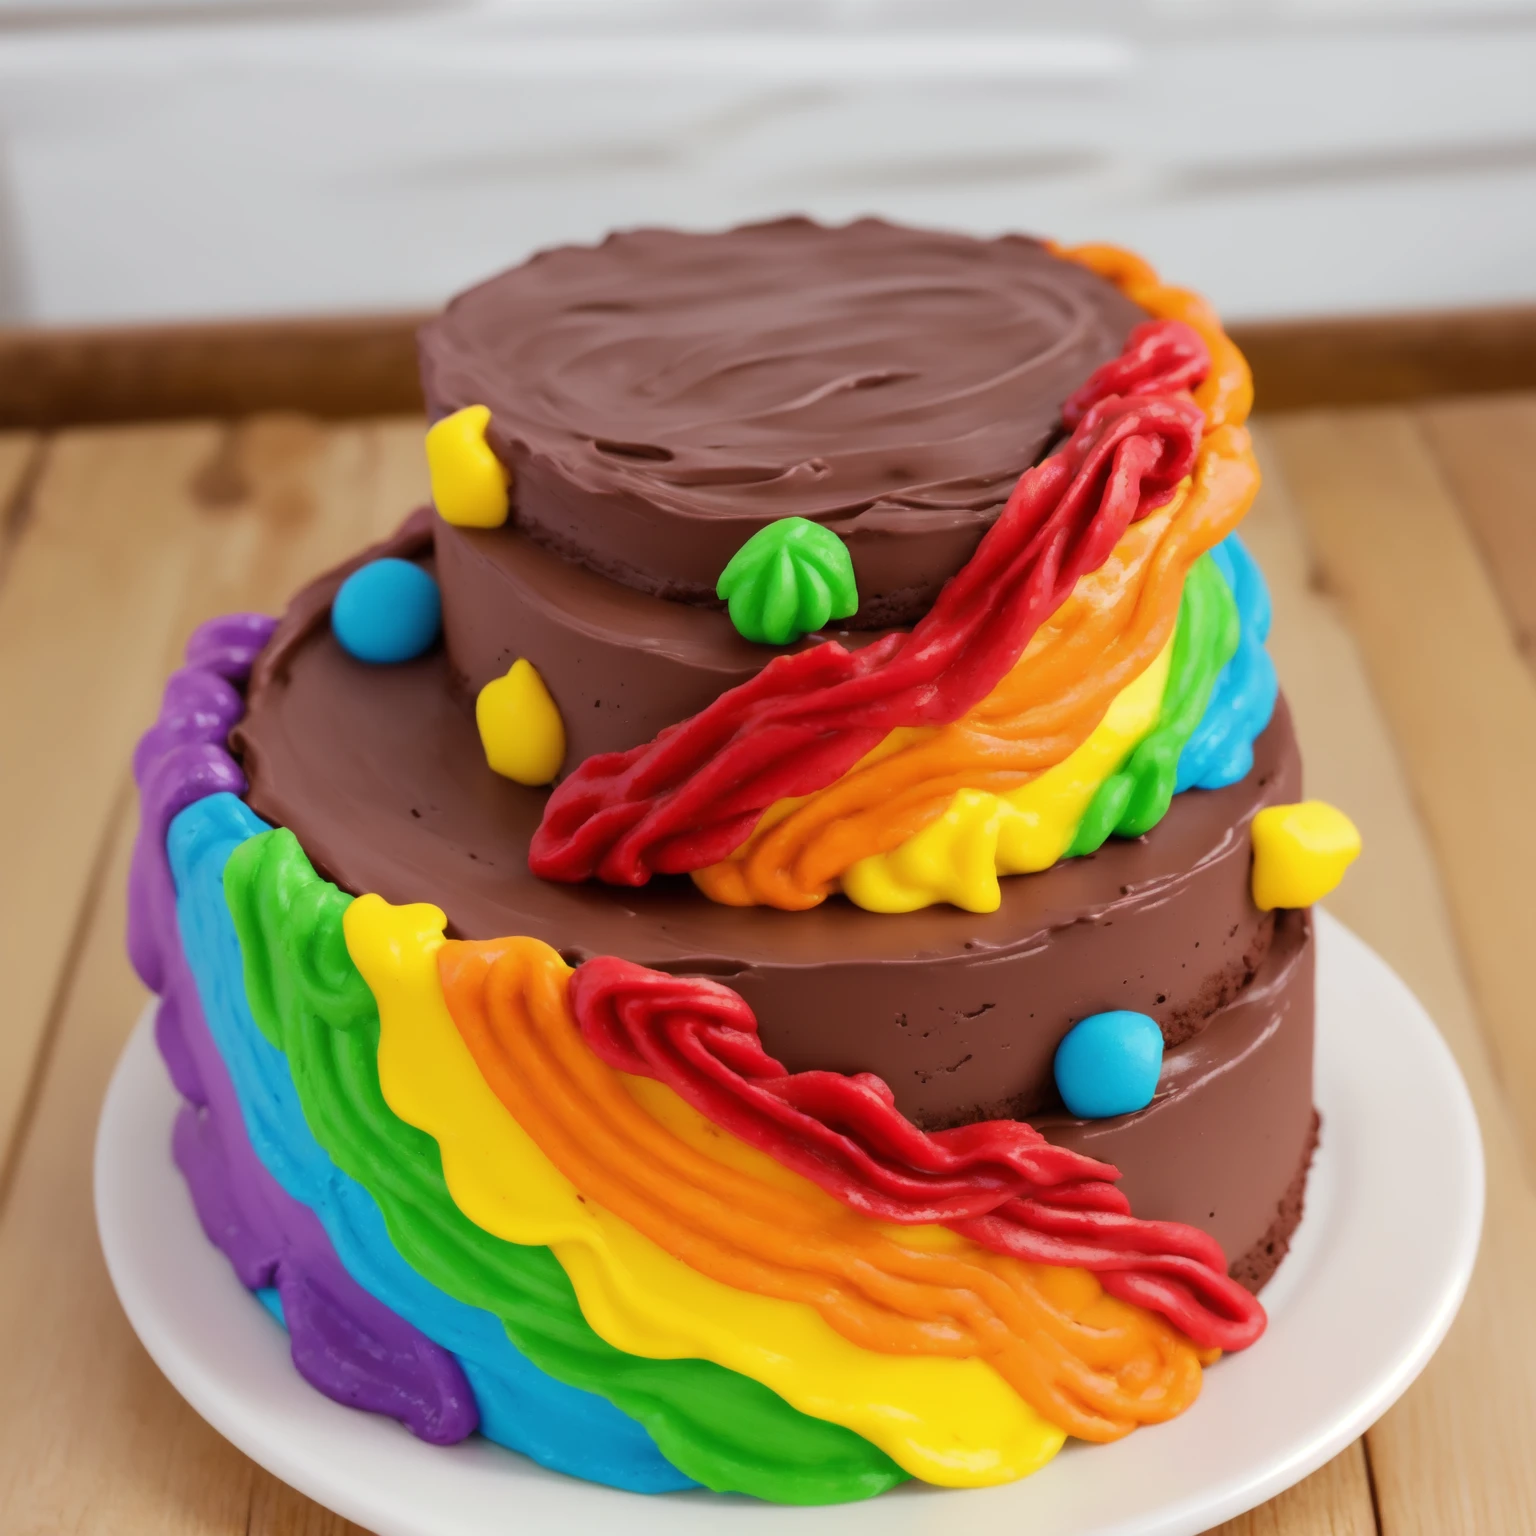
x: 520, y: 726
x: 1300, y: 853
x: 469, y: 483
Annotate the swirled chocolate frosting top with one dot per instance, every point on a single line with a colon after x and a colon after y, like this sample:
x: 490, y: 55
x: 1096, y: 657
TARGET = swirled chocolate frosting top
x: 660, y: 397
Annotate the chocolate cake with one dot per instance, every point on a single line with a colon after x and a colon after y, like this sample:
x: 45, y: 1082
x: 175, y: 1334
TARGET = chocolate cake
x: 762, y: 941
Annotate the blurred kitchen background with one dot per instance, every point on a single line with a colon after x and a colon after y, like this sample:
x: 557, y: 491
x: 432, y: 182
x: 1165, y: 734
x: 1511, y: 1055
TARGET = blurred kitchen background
x: 220, y: 159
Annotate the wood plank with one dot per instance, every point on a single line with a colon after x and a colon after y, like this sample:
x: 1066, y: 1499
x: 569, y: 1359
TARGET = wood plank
x: 1453, y: 1455
x: 96, y: 1440
x: 1486, y: 449
x: 262, y: 508
x: 366, y: 365
x: 1334, y: 1501
x: 93, y: 590
x: 1370, y: 359
x: 135, y: 537
x: 17, y: 450
x: 288, y: 497
x: 359, y: 366
x: 278, y: 1510
x: 1460, y: 701
x: 18, y: 457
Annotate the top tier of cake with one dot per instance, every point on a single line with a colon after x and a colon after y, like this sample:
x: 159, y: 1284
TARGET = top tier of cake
x: 660, y: 397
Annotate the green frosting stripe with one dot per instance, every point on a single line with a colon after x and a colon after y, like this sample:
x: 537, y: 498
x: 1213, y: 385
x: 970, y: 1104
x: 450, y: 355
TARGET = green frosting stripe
x: 724, y: 1430
x: 1134, y: 799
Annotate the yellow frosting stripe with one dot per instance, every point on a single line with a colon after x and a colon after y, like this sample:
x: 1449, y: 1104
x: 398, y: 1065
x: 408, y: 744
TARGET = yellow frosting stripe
x: 980, y: 836
x: 946, y: 1420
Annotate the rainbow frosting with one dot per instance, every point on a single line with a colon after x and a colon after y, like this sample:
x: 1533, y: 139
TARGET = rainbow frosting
x: 376, y: 1118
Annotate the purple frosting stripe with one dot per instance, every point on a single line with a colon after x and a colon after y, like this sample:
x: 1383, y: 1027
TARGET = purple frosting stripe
x: 345, y: 1342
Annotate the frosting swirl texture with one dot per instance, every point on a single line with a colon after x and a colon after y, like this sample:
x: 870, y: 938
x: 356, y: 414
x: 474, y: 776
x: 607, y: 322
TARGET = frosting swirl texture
x: 662, y: 396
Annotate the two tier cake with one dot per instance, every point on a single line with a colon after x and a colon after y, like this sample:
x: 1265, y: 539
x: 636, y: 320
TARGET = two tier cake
x: 762, y: 940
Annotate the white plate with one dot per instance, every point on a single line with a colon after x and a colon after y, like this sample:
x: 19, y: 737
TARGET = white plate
x: 1378, y: 1269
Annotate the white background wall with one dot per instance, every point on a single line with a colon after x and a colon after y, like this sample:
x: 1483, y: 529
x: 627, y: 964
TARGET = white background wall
x: 246, y: 157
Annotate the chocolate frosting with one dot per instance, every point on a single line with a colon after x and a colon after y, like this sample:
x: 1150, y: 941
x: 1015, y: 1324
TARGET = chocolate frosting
x: 1232, y: 1120
x: 380, y: 774
x: 660, y: 397
x: 623, y: 665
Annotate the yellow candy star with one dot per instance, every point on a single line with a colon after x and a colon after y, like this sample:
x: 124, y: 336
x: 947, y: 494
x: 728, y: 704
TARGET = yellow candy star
x: 1300, y: 853
x: 469, y: 483
x: 520, y: 726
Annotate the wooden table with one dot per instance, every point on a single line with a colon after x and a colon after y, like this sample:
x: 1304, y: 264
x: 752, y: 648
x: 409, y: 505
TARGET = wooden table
x: 1400, y: 545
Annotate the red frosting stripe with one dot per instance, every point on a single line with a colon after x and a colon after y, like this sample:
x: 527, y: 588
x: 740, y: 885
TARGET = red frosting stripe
x: 689, y: 798
x: 1160, y: 357
x: 998, y: 1182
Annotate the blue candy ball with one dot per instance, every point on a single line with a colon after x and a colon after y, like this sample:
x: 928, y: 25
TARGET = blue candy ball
x: 1108, y: 1064
x: 387, y: 611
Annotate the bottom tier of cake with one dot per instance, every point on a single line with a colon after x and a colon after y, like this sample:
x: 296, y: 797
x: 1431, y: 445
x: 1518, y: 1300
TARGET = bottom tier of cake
x: 478, y: 1203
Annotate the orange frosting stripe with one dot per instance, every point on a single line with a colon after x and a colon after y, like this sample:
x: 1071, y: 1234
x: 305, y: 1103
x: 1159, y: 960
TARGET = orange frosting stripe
x: 1095, y: 1366
x: 1226, y: 396
x: 1111, y: 628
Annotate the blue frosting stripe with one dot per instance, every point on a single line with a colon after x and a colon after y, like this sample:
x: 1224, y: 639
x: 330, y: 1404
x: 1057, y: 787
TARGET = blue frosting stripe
x: 521, y: 1407
x: 1221, y: 750
x: 272, y: 1300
